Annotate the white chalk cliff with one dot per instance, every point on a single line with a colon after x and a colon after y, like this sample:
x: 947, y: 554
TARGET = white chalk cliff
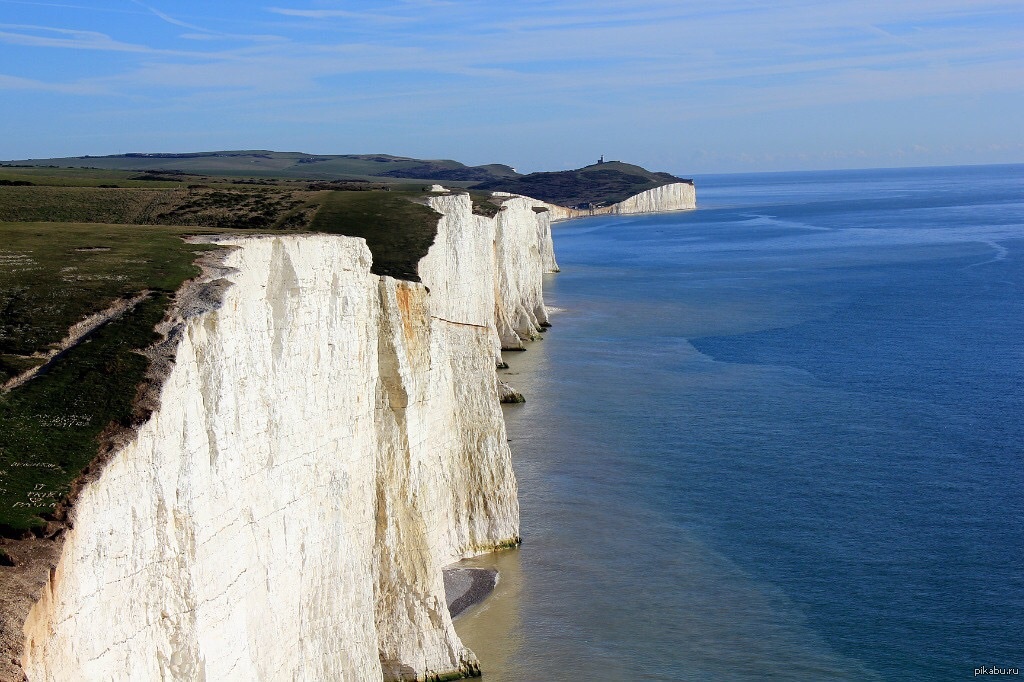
x: 676, y: 196
x: 326, y: 441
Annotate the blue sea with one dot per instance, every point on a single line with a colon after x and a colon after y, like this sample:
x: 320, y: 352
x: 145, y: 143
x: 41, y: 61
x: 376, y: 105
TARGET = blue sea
x: 778, y: 437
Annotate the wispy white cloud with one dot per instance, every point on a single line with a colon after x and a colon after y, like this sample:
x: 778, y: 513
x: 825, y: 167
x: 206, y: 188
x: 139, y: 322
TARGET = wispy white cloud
x: 656, y: 46
x: 78, y: 39
x: 201, y: 32
x: 16, y: 83
x: 60, y: 5
x: 66, y: 38
x: 253, y: 37
x: 169, y: 19
x: 338, y: 14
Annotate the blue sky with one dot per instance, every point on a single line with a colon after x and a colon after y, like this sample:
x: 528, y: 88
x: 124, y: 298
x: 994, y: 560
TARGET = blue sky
x: 689, y: 87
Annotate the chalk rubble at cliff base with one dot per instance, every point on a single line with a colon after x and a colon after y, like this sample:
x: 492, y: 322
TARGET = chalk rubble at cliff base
x: 325, y: 441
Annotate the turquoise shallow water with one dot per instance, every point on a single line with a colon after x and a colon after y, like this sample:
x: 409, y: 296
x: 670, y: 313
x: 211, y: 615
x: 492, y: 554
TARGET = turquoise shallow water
x: 777, y: 437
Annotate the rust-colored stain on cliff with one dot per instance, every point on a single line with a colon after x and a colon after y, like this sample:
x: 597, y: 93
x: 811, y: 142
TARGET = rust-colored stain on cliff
x: 411, y: 310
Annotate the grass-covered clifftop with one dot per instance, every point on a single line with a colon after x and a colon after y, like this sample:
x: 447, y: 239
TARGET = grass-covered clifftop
x: 55, y: 275
x: 397, y: 230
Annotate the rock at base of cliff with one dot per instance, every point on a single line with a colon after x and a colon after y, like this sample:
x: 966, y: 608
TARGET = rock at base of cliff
x: 464, y: 587
x: 507, y: 394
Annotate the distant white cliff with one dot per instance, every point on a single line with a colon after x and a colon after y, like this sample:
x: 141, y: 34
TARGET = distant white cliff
x: 326, y: 441
x: 676, y: 196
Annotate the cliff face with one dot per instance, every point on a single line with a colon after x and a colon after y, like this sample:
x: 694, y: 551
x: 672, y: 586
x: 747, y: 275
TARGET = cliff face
x: 520, y: 312
x: 518, y: 241
x: 326, y: 441
x: 677, y: 196
x: 674, y: 197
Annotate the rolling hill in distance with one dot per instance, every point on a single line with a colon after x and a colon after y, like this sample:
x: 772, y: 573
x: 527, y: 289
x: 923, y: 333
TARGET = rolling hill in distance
x: 597, y: 184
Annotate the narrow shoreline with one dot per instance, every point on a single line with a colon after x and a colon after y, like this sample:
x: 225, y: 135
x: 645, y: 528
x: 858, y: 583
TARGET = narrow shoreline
x: 465, y: 587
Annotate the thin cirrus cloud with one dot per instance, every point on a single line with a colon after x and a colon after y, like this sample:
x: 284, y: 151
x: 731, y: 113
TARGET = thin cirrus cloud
x: 337, y: 14
x: 78, y: 40
x: 201, y: 33
x: 61, y: 5
x: 16, y: 83
x: 49, y: 36
x: 171, y: 20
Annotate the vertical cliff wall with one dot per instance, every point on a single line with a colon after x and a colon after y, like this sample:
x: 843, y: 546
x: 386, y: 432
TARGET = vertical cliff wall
x: 522, y: 247
x: 676, y: 196
x: 517, y: 241
x: 326, y: 441
x: 672, y: 197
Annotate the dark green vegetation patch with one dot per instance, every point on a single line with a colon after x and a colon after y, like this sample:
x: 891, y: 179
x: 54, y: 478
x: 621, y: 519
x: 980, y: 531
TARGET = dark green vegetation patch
x: 259, y: 208
x: 50, y: 430
x: 398, y: 230
x: 56, y: 274
x: 483, y: 204
x: 597, y: 185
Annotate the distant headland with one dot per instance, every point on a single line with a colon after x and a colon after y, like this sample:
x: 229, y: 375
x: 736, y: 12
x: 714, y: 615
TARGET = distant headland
x: 593, y: 186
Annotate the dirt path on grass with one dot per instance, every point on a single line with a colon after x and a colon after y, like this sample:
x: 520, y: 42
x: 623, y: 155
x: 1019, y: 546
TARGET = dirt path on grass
x: 76, y: 334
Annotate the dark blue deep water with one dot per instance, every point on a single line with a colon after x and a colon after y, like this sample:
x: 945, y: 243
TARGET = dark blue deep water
x: 778, y: 437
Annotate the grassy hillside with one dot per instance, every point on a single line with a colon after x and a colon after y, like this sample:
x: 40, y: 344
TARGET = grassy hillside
x: 599, y: 184
x: 55, y: 274
x: 293, y: 165
x: 262, y: 208
x: 596, y: 185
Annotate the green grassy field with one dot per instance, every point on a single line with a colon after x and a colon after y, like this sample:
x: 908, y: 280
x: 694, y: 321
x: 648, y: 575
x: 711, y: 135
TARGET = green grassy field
x: 85, y: 204
x: 55, y: 274
x: 97, y: 177
x: 78, y: 177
